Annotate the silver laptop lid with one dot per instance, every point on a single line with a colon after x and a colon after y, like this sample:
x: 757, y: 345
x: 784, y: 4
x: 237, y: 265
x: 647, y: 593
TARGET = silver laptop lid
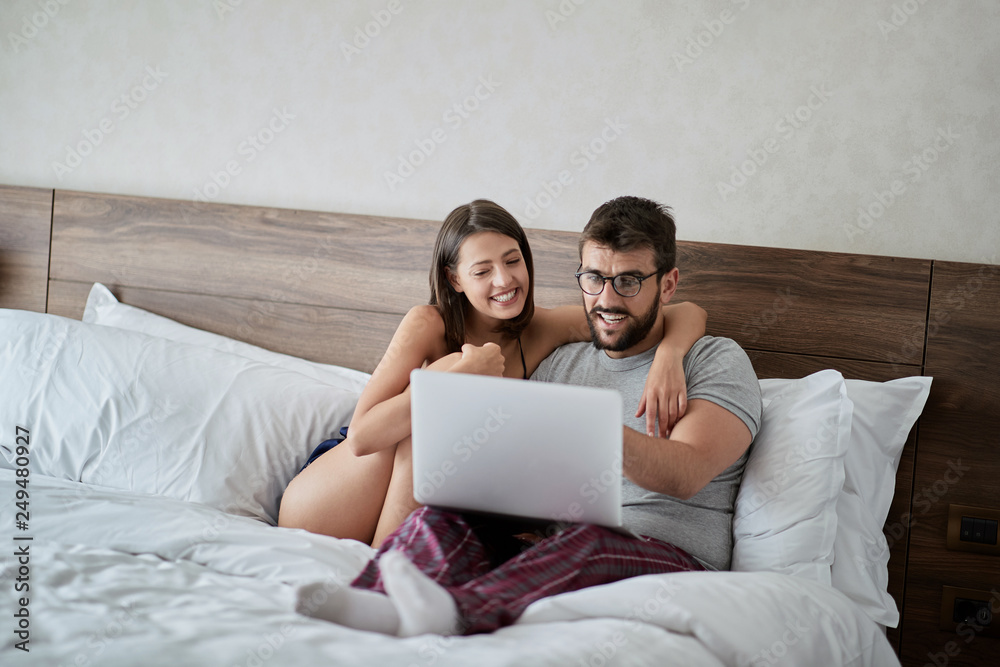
x: 505, y: 446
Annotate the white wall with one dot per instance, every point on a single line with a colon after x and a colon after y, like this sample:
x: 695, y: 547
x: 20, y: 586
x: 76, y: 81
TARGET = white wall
x: 841, y: 104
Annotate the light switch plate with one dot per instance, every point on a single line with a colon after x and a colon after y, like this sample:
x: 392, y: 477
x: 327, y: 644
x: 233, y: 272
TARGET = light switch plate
x: 955, y: 514
x: 950, y: 594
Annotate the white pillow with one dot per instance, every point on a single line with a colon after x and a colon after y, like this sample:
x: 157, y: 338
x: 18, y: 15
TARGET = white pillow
x: 103, y: 308
x: 131, y: 411
x: 884, y: 413
x: 785, y: 519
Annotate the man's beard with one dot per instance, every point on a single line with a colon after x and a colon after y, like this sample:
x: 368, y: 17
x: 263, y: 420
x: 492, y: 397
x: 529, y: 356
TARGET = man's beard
x: 634, y: 334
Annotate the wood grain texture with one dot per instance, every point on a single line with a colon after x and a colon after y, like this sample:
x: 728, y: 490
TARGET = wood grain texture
x: 958, y: 458
x: 828, y: 304
x: 25, y: 221
x: 319, y: 259
x: 354, y: 339
x: 767, y: 299
x: 838, y: 305
x: 785, y: 365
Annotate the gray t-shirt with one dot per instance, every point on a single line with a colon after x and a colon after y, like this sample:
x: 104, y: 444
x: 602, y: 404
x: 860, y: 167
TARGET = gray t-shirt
x: 717, y: 370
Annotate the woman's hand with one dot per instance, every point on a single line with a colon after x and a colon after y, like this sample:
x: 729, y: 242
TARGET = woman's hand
x: 484, y: 360
x: 664, y: 398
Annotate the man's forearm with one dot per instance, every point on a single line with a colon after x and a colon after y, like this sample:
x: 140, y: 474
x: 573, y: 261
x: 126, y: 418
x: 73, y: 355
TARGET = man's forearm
x: 706, y: 441
x: 662, y: 465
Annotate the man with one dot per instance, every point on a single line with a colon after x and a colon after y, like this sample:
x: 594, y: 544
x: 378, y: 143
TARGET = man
x: 437, y: 573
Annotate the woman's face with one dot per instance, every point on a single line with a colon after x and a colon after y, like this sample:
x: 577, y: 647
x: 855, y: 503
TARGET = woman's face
x: 492, y: 275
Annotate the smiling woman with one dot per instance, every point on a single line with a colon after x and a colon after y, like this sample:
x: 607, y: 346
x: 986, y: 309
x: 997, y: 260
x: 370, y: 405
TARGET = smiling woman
x: 478, y: 246
x: 481, y: 319
x: 492, y: 275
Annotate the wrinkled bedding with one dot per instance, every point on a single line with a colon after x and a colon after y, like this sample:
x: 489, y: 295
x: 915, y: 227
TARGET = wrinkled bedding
x: 120, y: 578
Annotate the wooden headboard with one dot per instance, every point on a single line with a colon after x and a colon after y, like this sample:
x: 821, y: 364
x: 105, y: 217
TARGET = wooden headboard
x: 332, y: 288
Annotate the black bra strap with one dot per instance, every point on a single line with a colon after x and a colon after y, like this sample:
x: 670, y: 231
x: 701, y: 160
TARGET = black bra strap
x: 524, y: 366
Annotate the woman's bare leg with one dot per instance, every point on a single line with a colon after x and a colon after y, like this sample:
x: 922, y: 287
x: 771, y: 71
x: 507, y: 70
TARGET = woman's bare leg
x: 339, y: 494
x: 399, y: 502
x: 344, y: 495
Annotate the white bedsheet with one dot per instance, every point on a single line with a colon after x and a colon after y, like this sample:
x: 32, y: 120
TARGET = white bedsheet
x: 119, y: 578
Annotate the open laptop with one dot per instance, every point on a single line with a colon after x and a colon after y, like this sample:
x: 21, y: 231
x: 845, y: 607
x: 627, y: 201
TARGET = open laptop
x: 510, y: 447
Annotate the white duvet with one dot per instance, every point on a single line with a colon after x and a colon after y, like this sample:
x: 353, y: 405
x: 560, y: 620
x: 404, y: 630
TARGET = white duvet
x: 118, y: 578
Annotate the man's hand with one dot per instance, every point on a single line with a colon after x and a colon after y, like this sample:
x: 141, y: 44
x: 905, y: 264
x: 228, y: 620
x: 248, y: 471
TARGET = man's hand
x: 485, y: 360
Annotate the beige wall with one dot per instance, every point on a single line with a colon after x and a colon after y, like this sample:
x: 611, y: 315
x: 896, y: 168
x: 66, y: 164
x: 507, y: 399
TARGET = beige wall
x: 759, y: 125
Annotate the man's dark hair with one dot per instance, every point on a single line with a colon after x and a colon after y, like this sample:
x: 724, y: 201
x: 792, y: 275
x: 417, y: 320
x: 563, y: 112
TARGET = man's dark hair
x: 627, y: 223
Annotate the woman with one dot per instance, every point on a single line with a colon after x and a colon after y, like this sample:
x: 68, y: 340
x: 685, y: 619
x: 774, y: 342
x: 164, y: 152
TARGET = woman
x: 481, y: 319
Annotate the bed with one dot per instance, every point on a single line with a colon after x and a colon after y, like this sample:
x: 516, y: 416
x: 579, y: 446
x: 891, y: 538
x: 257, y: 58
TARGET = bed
x: 168, y: 365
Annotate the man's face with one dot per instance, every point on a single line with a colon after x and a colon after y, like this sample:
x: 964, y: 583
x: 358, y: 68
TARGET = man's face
x: 625, y: 326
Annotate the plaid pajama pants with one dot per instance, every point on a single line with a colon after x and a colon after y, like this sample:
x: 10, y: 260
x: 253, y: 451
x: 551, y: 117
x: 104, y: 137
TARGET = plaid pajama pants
x: 491, y: 594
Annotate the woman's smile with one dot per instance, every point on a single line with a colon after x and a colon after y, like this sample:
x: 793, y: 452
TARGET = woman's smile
x: 506, y: 297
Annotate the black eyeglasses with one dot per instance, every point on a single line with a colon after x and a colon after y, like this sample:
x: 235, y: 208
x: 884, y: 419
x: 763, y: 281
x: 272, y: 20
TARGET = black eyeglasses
x: 625, y: 284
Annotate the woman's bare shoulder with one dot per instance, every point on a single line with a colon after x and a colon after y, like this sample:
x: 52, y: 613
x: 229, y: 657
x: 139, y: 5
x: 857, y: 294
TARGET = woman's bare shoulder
x: 425, y: 321
x: 425, y: 315
x: 422, y: 327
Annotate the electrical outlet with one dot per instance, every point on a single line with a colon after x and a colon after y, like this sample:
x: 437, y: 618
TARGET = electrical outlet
x: 970, y: 611
x: 973, y: 529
